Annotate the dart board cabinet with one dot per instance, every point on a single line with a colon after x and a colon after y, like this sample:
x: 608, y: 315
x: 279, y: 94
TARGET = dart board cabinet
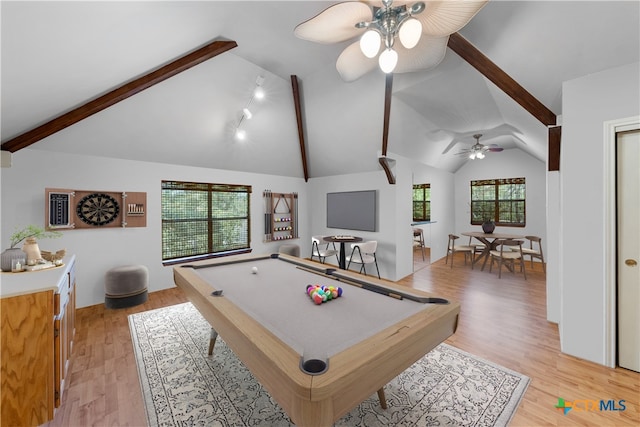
x: 71, y: 209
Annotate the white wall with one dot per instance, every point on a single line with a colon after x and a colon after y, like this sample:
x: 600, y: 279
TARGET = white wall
x: 97, y: 250
x: 386, y: 219
x: 554, y: 305
x: 588, y: 102
x: 394, y: 234
x: 512, y: 163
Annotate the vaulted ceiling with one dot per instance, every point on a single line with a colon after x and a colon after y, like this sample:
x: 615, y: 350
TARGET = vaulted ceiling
x: 57, y: 56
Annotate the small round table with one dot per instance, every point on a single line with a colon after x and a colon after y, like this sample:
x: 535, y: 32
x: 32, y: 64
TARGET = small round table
x: 342, y: 240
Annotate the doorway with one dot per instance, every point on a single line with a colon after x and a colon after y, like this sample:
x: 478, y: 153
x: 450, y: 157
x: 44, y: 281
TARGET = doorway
x: 628, y: 248
x: 421, y: 246
x: 421, y: 225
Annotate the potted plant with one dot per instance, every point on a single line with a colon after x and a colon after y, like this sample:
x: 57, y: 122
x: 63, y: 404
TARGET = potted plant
x: 29, y: 232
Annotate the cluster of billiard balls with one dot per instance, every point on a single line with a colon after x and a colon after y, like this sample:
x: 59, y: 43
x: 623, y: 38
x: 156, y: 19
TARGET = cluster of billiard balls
x: 320, y: 294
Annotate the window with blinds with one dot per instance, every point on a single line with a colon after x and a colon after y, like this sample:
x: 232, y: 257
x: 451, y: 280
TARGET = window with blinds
x: 200, y: 219
x: 421, y: 202
x: 499, y: 200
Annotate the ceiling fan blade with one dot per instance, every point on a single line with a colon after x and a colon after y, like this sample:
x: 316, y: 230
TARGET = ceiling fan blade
x: 335, y: 24
x: 441, y: 18
x: 494, y: 148
x: 352, y: 64
x: 428, y: 53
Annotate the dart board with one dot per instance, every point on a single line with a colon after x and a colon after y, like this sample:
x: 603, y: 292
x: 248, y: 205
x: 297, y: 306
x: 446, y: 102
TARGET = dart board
x: 97, y: 209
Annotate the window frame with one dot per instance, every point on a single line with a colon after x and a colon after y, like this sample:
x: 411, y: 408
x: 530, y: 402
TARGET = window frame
x: 425, y: 202
x: 476, y: 212
x: 211, y: 189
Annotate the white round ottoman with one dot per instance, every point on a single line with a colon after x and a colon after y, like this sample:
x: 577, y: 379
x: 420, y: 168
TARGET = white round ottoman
x: 126, y: 286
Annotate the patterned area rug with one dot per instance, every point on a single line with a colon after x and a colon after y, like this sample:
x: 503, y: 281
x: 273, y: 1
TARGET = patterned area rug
x: 183, y: 386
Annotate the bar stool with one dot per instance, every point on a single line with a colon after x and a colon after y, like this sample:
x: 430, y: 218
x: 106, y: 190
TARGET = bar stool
x: 418, y: 239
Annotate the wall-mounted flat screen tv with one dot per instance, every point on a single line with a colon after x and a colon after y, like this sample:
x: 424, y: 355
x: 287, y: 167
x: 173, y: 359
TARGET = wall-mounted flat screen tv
x: 352, y: 210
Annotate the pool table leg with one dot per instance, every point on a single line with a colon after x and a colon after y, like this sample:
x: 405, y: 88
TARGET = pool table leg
x: 382, y: 398
x: 212, y: 340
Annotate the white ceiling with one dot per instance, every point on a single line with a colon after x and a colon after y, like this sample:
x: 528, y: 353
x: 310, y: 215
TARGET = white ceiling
x: 59, y: 55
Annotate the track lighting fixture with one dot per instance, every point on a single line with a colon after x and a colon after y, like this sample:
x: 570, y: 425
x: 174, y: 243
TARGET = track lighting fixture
x: 257, y: 93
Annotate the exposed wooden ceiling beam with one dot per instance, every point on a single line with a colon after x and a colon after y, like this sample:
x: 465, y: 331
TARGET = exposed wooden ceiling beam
x: 388, y: 86
x: 296, y: 102
x: 490, y: 70
x: 384, y: 161
x: 123, y: 92
x: 553, y: 156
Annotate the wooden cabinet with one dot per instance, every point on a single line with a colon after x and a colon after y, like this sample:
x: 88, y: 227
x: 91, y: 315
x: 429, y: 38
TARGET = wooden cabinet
x: 63, y: 333
x: 37, y: 320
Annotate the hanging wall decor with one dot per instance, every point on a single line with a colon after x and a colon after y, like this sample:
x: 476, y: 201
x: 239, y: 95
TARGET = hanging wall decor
x: 71, y: 209
x: 281, y: 216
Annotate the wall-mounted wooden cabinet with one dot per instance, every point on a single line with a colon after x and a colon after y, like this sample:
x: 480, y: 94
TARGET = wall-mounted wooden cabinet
x: 37, y: 318
x: 281, y: 216
x: 69, y: 209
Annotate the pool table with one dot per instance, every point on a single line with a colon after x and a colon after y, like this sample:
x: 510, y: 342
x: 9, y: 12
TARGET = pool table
x: 363, y: 339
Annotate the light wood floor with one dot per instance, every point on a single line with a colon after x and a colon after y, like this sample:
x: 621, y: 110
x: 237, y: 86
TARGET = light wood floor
x: 503, y: 321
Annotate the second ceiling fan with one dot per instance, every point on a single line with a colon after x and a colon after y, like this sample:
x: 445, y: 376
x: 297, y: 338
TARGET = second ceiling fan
x: 478, y: 151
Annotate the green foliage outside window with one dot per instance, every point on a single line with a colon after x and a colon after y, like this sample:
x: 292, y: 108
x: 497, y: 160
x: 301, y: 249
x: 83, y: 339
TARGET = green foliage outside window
x: 422, y: 202
x: 200, y: 219
x: 500, y: 200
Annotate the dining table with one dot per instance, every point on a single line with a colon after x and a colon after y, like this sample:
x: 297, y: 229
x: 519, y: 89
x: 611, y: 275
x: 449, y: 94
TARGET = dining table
x: 342, y: 239
x: 490, y: 242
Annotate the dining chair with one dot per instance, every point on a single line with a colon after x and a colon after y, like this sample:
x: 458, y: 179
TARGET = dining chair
x: 364, y: 253
x: 508, y: 252
x: 452, y: 248
x: 418, y: 239
x: 321, y: 250
x: 534, y: 252
x: 479, y: 247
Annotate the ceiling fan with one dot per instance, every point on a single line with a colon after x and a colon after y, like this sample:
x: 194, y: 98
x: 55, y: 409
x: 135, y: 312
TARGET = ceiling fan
x: 478, y: 151
x: 423, y: 28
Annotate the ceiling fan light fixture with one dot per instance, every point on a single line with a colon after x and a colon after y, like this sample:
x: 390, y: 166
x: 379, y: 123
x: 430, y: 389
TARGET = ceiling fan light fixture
x: 247, y: 113
x: 370, y: 43
x: 410, y: 33
x: 472, y: 156
x: 480, y: 155
x: 391, y: 19
x: 388, y: 60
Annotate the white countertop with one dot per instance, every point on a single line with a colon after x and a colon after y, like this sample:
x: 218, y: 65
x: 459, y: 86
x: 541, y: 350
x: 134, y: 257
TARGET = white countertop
x: 26, y: 282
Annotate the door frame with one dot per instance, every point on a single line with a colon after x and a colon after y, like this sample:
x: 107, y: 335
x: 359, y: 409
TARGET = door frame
x: 611, y: 128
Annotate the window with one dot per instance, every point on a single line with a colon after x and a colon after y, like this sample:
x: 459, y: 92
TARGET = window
x: 200, y: 220
x: 421, y: 202
x: 498, y: 200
